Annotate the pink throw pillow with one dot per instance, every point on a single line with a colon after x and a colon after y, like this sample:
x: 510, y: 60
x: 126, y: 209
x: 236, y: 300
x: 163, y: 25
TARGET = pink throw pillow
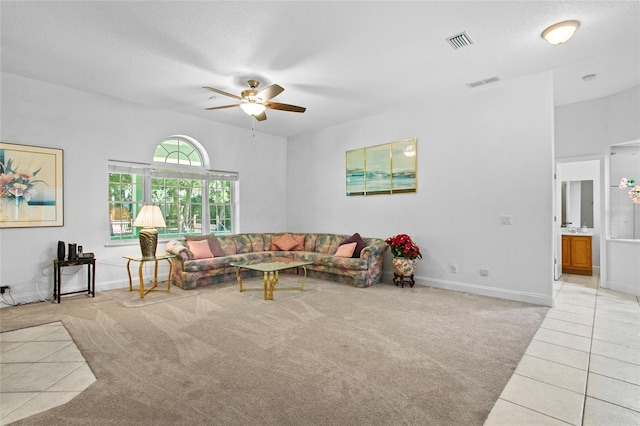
x: 346, y: 250
x: 200, y: 249
x: 359, y: 246
x: 300, y: 242
x: 283, y: 242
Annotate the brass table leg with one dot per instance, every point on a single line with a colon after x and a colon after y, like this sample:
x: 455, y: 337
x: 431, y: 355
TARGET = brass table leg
x: 129, y: 273
x: 265, y: 280
x: 155, y: 275
x: 270, y: 280
x: 274, y: 282
x: 239, y: 278
x: 155, y: 279
x: 141, y: 280
x: 154, y: 284
x: 304, y: 277
x: 169, y: 276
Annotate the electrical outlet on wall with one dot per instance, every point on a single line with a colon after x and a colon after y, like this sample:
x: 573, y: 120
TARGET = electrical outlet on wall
x: 454, y: 268
x: 484, y: 272
x: 505, y: 220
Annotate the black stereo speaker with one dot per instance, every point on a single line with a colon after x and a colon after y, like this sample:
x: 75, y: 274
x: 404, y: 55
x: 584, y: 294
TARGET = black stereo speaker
x: 61, y: 250
x: 72, y: 252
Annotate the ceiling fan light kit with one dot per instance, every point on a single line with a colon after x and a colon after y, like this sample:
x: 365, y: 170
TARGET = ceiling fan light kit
x: 255, y: 103
x: 560, y: 32
x: 252, y: 108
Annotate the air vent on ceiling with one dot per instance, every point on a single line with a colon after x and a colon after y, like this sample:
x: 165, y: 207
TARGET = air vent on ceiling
x: 483, y: 82
x: 460, y: 40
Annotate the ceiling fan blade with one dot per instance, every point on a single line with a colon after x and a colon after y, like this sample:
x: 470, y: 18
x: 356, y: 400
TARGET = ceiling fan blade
x: 285, y: 107
x: 222, y: 107
x: 261, y: 117
x: 223, y: 93
x: 270, y: 92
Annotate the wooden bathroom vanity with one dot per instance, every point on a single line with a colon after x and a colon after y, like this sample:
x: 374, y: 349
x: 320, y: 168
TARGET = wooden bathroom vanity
x: 576, y: 254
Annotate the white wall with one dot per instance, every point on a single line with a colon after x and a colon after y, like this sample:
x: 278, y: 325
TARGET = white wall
x: 481, y: 156
x: 589, y: 129
x: 457, y: 195
x: 92, y: 129
x: 624, y: 268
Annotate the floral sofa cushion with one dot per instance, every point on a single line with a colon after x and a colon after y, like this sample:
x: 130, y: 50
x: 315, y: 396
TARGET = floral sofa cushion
x: 228, y: 244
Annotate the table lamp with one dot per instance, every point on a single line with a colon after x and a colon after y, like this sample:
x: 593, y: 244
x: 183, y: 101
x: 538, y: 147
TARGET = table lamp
x: 149, y: 218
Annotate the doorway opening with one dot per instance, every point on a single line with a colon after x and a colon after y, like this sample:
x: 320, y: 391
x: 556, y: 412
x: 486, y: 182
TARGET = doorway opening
x: 578, y: 212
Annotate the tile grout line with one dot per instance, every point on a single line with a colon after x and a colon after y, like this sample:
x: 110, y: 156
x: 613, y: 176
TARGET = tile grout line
x: 593, y: 326
x: 535, y: 411
x: 552, y: 361
x: 611, y: 402
x: 584, y: 393
x: 20, y: 406
x: 601, y: 299
x: 593, y: 320
x: 40, y: 361
x: 546, y: 383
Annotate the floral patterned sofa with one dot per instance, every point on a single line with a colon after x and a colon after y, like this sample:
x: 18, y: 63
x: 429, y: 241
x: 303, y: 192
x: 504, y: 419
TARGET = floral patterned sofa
x: 189, y: 272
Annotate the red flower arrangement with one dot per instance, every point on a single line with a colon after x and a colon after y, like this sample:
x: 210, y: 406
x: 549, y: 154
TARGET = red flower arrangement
x: 403, y: 246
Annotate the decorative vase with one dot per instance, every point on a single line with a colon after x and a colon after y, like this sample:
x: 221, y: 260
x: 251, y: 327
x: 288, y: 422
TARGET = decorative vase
x: 403, y: 266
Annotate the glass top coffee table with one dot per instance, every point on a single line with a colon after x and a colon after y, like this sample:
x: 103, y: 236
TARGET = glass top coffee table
x: 270, y: 269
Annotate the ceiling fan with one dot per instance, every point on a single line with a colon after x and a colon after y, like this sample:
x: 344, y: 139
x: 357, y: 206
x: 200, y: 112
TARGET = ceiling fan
x: 255, y: 103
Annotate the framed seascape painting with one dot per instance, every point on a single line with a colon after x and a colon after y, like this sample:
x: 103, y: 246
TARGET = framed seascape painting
x: 403, y: 166
x: 383, y: 169
x: 378, y: 170
x: 31, y: 187
x: 355, y: 172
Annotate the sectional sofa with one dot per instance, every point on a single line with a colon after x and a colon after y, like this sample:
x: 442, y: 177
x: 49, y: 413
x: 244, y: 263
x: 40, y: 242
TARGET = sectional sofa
x: 191, y: 268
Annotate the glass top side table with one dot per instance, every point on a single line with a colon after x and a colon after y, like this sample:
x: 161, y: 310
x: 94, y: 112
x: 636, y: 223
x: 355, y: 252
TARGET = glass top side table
x: 142, y: 260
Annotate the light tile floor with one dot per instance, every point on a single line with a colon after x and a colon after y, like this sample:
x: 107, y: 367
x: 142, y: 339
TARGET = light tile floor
x: 40, y: 368
x: 583, y: 365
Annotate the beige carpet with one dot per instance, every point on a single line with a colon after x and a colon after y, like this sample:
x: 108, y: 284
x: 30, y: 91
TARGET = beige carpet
x: 331, y: 355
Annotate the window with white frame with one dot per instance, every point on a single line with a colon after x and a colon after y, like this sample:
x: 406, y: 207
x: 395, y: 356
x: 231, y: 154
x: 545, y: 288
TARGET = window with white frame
x: 193, y: 199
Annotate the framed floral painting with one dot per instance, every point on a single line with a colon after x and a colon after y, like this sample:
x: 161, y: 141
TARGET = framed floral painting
x: 31, y: 187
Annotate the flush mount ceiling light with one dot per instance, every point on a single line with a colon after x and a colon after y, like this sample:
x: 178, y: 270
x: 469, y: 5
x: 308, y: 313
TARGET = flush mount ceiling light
x: 560, y: 32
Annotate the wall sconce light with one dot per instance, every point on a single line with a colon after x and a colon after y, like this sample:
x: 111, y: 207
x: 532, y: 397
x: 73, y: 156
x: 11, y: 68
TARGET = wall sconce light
x: 560, y: 32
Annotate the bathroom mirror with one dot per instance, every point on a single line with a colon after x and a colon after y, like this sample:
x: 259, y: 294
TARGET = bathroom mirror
x: 577, y: 203
x: 624, y: 213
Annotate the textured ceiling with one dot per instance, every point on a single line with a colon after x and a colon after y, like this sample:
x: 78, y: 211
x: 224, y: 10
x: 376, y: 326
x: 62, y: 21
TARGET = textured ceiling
x: 341, y: 60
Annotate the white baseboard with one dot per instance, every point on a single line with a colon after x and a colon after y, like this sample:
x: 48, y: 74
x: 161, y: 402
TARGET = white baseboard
x: 623, y: 288
x: 9, y: 299
x: 500, y: 293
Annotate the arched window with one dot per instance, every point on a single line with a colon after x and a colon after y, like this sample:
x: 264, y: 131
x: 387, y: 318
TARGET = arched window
x: 193, y: 199
x: 177, y: 150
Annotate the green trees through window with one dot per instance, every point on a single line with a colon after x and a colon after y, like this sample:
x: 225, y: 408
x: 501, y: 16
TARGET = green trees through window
x: 193, y: 200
